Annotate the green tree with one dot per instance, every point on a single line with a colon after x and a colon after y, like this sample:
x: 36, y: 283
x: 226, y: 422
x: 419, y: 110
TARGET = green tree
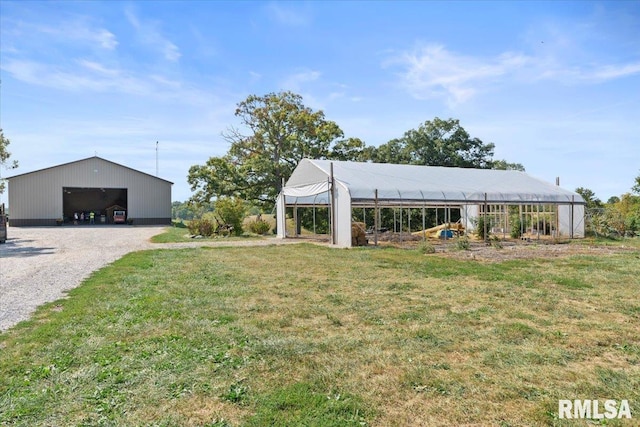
x: 353, y: 149
x: 437, y: 143
x: 589, y: 197
x: 281, y: 131
x: 613, y: 199
x: 4, y: 158
x: 636, y: 186
x: 506, y: 166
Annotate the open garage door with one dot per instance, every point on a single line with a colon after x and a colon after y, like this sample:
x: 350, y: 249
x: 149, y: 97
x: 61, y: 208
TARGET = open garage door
x: 98, y: 200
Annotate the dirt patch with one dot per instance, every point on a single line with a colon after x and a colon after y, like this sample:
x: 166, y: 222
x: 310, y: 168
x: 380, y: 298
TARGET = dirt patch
x: 504, y: 251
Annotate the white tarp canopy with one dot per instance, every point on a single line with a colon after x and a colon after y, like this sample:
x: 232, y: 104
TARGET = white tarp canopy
x: 360, y: 184
x: 404, y: 183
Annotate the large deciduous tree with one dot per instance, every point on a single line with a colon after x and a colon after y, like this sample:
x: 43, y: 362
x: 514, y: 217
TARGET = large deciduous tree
x: 4, y: 157
x: 441, y: 143
x: 279, y: 132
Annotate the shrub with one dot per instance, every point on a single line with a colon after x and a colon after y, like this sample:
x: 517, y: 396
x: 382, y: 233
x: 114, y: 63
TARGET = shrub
x: 479, y: 223
x: 259, y: 227
x: 201, y: 227
x: 231, y: 211
x: 426, y: 247
x: 516, y: 227
x: 462, y: 243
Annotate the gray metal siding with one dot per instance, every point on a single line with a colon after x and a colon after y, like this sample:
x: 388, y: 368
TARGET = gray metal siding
x: 38, y: 195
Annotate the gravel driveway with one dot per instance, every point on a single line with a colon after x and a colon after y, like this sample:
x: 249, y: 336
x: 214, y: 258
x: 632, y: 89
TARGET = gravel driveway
x: 39, y: 264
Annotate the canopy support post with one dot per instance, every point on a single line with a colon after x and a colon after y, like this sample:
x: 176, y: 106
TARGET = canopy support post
x: 424, y: 234
x: 571, y: 220
x: 376, y: 224
x: 484, y: 223
x: 333, y: 206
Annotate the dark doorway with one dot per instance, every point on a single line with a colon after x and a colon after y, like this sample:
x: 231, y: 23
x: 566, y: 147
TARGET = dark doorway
x: 97, y: 200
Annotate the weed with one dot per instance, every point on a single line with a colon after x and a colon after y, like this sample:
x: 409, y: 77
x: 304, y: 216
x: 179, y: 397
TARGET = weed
x: 426, y: 247
x: 236, y: 393
x: 463, y: 243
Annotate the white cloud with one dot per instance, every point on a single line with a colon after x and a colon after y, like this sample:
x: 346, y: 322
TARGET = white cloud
x: 98, y: 68
x: 90, y: 76
x: 150, y: 35
x: 432, y: 71
x: 287, y: 15
x: 76, y: 31
x: 614, y: 71
x: 295, y: 81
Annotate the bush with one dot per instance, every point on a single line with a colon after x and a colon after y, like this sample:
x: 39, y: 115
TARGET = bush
x: 201, y: 227
x: 479, y: 223
x: 516, y: 227
x: 462, y: 243
x: 231, y: 212
x: 259, y: 227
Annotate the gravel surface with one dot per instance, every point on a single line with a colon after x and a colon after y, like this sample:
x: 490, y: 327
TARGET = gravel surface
x: 39, y: 264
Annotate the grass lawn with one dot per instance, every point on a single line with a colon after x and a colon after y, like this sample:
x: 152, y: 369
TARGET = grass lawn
x: 307, y: 335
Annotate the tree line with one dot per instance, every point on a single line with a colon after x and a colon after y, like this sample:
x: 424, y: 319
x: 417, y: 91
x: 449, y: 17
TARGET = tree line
x: 617, y: 217
x: 278, y: 131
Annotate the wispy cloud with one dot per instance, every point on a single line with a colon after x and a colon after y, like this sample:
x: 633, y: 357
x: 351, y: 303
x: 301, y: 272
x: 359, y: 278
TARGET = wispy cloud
x: 295, y: 81
x: 91, y: 76
x: 150, y: 35
x: 77, y: 31
x: 432, y: 71
x: 287, y: 15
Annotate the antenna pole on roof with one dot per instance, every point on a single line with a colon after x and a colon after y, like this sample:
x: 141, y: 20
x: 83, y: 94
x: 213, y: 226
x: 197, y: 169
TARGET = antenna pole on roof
x: 156, y: 158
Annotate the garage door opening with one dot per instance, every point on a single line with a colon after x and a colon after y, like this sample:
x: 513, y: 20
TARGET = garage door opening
x: 100, y: 201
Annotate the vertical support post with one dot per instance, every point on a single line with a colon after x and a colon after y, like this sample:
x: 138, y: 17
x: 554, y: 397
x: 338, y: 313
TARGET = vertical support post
x: 571, y: 221
x: 376, y: 224
x: 538, y: 221
x: 424, y: 234
x: 484, y: 223
x: 333, y: 205
x: 295, y: 219
x: 521, y: 221
x: 505, y: 211
x: 395, y: 221
x: 447, y: 219
x: 401, y: 225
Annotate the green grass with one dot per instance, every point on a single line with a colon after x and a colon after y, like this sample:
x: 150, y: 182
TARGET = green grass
x: 307, y: 335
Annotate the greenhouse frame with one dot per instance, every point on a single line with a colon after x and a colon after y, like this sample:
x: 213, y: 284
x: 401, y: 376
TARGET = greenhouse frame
x: 342, y: 186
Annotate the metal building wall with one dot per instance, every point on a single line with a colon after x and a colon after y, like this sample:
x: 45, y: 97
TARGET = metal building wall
x: 36, y: 198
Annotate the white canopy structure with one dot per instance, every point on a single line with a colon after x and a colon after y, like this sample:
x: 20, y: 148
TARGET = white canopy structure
x: 342, y: 185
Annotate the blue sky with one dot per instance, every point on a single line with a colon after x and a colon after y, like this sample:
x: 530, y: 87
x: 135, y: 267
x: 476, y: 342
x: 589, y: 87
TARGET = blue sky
x: 554, y: 85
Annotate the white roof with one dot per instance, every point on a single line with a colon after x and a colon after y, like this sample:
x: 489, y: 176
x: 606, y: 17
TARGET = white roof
x: 431, y: 184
